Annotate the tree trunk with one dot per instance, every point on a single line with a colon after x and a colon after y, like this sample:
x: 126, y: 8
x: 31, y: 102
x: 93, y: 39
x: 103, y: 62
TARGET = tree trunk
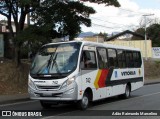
x: 17, y: 55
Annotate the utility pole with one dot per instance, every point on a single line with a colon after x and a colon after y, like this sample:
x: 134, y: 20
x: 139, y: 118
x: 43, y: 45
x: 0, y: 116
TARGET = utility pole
x: 145, y: 15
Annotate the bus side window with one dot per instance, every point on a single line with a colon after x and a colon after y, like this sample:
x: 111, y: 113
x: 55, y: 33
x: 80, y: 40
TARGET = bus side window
x: 129, y: 59
x: 102, y: 58
x: 137, y: 59
x: 121, y: 58
x: 88, y: 60
x: 112, y: 57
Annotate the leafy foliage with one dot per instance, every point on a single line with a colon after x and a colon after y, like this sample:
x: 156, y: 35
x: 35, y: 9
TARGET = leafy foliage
x: 67, y: 14
x: 63, y: 17
x: 17, y: 9
x: 153, y: 32
x: 104, y: 35
x: 139, y: 31
x: 34, y: 37
x: 54, y: 18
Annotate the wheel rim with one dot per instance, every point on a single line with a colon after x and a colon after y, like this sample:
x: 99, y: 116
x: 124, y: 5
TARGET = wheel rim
x: 85, y: 101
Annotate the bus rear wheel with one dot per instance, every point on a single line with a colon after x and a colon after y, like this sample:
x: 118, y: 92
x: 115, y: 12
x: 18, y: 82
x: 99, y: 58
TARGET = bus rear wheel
x: 127, y: 93
x: 84, y: 102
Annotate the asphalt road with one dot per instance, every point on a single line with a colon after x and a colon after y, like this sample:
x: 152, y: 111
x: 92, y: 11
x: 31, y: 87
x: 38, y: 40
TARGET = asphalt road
x: 145, y: 98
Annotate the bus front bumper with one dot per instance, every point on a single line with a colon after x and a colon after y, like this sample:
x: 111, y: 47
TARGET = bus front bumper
x: 67, y: 95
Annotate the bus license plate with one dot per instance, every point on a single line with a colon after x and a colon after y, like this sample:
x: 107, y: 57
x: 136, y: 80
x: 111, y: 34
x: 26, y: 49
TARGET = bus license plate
x: 47, y: 94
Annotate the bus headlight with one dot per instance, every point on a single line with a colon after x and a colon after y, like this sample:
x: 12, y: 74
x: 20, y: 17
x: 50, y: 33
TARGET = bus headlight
x: 31, y: 84
x: 68, y: 82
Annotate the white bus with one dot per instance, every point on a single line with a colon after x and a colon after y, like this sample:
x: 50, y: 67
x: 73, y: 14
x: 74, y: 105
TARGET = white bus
x: 81, y: 72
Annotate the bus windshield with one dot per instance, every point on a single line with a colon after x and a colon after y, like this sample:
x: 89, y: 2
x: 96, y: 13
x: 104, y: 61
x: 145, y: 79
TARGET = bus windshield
x: 56, y: 59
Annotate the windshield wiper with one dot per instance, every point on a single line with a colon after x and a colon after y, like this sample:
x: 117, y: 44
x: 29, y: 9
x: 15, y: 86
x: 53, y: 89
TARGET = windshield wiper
x: 57, y: 68
x: 47, y: 63
x: 41, y: 68
x: 54, y: 63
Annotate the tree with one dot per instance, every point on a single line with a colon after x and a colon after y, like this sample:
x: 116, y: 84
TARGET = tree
x: 66, y: 16
x: 103, y: 35
x: 140, y: 31
x: 18, y: 9
x: 34, y: 36
x: 153, y: 32
x: 63, y: 17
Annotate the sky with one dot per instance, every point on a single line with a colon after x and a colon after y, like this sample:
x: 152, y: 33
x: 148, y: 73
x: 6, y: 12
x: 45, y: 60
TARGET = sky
x: 148, y: 3
x: 129, y: 16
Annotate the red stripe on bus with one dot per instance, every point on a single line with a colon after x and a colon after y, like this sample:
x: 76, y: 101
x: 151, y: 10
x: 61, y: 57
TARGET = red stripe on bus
x: 102, y: 78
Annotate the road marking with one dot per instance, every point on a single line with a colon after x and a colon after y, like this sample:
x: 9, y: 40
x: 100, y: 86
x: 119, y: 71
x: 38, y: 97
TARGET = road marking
x: 17, y: 103
x: 128, y: 99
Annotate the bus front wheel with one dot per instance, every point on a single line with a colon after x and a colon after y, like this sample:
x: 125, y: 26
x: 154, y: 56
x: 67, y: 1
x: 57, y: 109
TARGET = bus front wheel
x: 84, y: 102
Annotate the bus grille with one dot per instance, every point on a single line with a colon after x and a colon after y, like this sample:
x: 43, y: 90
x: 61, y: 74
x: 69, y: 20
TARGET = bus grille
x: 48, y: 87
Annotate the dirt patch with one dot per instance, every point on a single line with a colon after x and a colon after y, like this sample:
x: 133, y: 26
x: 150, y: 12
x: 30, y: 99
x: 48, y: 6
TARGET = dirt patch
x: 152, y: 69
x: 13, y: 80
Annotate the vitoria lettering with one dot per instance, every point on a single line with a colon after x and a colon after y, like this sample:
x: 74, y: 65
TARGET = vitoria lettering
x: 127, y: 73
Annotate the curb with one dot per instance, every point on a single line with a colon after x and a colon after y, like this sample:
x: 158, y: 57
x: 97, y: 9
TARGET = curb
x: 151, y: 83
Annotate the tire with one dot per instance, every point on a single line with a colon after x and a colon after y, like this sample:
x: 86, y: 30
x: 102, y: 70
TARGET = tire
x: 45, y: 105
x: 84, y: 102
x: 127, y: 93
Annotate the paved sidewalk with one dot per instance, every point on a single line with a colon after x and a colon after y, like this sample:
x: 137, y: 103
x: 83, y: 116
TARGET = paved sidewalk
x: 4, y: 99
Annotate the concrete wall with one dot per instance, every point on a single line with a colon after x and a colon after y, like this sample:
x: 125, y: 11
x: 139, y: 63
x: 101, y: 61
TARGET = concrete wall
x: 94, y: 39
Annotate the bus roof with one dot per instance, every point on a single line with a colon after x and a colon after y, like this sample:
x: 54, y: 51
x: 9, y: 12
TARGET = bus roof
x: 97, y: 44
